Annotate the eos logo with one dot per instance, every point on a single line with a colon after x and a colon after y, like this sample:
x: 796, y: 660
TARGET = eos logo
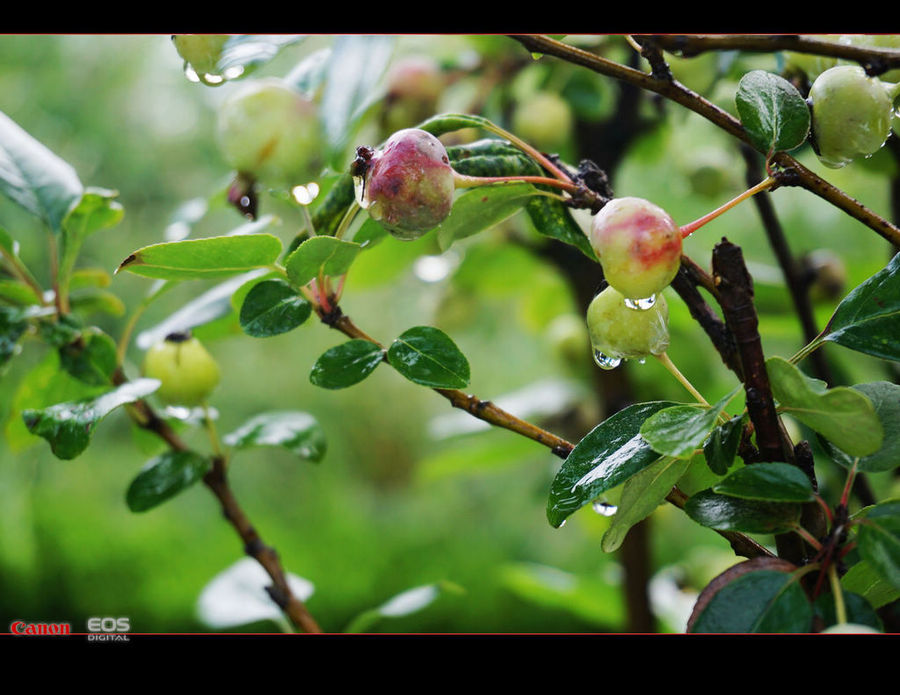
x: 107, y: 629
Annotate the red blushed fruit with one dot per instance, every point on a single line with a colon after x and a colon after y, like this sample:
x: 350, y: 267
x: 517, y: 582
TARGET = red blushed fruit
x: 409, y: 184
x: 638, y: 244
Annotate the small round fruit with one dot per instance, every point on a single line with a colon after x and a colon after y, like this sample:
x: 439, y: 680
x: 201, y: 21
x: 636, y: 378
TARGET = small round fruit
x: 409, y: 184
x: 618, y: 332
x: 187, y: 372
x: 544, y: 120
x: 414, y: 85
x: 201, y: 51
x: 850, y: 629
x: 638, y: 244
x: 851, y: 115
x: 271, y: 132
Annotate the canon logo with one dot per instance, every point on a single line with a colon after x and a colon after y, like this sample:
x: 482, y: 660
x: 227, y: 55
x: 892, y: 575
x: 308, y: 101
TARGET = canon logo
x: 20, y: 627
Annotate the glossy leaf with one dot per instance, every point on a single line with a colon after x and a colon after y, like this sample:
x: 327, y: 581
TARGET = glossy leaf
x: 480, y: 208
x: 68, y: 426
x: 680, y: 430
x: 608, y: 455
x: 346, y: 364
x: 773, y: 482
x: 12, y: 327
x: 842, y: 414
x: 721, y: 446
x: 164, y: 477
x: 885, y: 396
x: 879, y: 540
x: 214, y: 257
x: 868, y: 319
x: 553, y: 219
x: 756, y: 596
x: 403, y: 604
x: 35, y: 177
x: 773, y: 112
x: 641, y: 495
x: 271, y: 308
x: 864, y: 579
x: 491, y: 157
x: 322, y: 253
x: 429, y: 357
x: 295, y: 431
x: 91, y: 360
x: 725, y: 513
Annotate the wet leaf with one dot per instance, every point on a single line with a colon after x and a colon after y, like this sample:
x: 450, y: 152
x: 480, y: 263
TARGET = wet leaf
x: 481, y: 208
x: 322, y: 253
x: 271, y: 308
x: 680, y: 430
x: 92, y: 360
x: 12, y: 326
x: 552, y: 219
x: 842, y: 414
x: 608, y: 455
x: 773, y: 482
x: 68, y: 426
x: 346, y: 364
x: 295, y: 431
x: 721, y: 447
x: 859, y: 610
x: 429, y: 357
x: 164, y: 477
x: 773, y: 112
x: 725, y: 513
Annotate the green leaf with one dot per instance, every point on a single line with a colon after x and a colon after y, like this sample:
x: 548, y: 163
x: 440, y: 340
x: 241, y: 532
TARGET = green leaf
x: 428, y: 356
x: 722, y: 445
x: 641, y: 495
x: 481, y: 208
x: 868, y: 319
x: 68, y: 426
x: 34, y: 177
x: 773, y: 112
x: 12, y: 326
x: 214, y: 257
x: 885, y: 396
x: 403, y: 604
x: 346, y: 364
x: 680, y: 430
x: 97, y: 209
x: 355, y: 68
x: 329, y: 213
x: 725, y: 513
x: 164, y: 477
x: 756, y: 596
x: 859, y: 610
x: 867, y: 581
x: 879, y: 540
x: 448, y: 122
x: 553, y: 219
x: 843, y: 415
x: 271, y: 308
x: 94, y: 301
x: 91, y: 360
x: 608, y: 455
x: 17, y: 292
x: 321, y: 253
x: 773, y: 482
x: 89, y: 278
x: 295, y: 431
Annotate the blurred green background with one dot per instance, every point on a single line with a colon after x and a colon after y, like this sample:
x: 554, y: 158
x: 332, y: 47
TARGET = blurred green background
x: 409, y: 492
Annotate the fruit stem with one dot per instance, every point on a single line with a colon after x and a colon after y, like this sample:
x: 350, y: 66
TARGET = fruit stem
x: 808, y: 537
x: 347, y: 220
x: 840, y: 610
x: 682, y: 379
x: 464, y: 181
x: 529, y: 150
x: 211, y: 430
x: 689, y: 229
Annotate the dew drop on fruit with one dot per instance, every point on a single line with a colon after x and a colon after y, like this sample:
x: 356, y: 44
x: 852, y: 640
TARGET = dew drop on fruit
x: 604, y: 508
x: 213, y: 80
x: 562, y: 523
x: 605, y: 361
x: 359, y: 191
x: 233, y: 72
x: 641, y: 304
x: 190, y: 73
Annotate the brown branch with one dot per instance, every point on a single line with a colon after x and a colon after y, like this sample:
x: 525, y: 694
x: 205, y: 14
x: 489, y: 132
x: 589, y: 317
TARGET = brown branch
x: 674, y: 91
x: 216, y: 480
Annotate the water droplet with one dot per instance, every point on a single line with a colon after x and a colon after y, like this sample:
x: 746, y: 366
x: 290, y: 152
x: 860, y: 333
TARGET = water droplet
x: 178, y: 412
x: 359, y: 191
x: 562, y: 523
x: 211, y: 79
x: 605, y: 361
x: 305, y: 194
x: 641, y: 304
x: 604, y: 508
x: 641, y: 360
x: 233, y: 72
x: 190, y: 73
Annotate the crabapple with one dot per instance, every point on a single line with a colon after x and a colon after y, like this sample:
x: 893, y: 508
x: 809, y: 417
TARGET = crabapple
x: 618, y: 332
x: 201, y: 51
x: 187, y: 372
x: 408, y: 185
x: 638, y: 244
x: 544, y: 120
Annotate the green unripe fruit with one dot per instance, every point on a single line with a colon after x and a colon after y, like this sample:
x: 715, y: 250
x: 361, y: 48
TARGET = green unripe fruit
x: 187, y: 372
x: 544, y: 120
x: 875, y: 41
x: 568, y: 338
x: 414, y: 85
x: 850, y: 629
x: 201, y: 51
x: 618, y: 332
x: 408, y: 186
x: 851, y: 115
x: 271, y: 132
x: 638, y: 244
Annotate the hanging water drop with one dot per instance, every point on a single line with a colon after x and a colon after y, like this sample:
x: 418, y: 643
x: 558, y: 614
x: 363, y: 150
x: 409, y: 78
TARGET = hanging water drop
x: 562, y: 523
x: 641, y: 304
x: 190, y: 73
x: 604, y: 508
x: 212, y: 80
x: 605, y: 361
x: 359, y: 191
